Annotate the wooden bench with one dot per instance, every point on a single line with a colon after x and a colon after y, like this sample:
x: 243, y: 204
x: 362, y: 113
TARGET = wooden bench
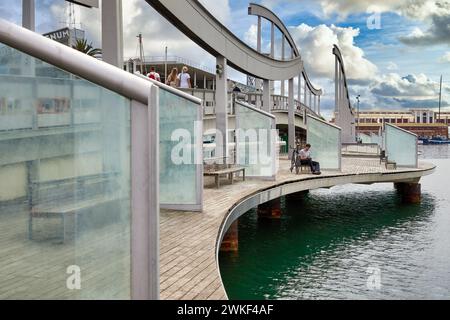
x: 69, y: 197
x: 218, y: 167
x: 385, y: 159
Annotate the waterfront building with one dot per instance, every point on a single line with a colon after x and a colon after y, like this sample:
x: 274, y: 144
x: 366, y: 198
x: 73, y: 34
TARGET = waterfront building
x: 423, y: 122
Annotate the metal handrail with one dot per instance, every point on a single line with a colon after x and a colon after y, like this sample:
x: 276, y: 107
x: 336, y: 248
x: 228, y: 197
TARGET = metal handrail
x: 74, y: 62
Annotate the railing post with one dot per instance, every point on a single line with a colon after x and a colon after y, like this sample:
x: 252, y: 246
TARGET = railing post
x: 266, y: 96
x: 291, y: 116
x: 222, y: 107
x: 145, y: 198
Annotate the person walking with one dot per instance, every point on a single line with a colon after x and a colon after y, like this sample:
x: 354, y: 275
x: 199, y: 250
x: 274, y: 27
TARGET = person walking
x: 184, y: 79
x: 154, y: 75
x: 172, y: 79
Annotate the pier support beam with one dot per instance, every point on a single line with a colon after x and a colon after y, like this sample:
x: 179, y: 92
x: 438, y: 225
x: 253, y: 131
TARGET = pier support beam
x: 230, y: 242
x: 270, y: 210
x: 411, y: 192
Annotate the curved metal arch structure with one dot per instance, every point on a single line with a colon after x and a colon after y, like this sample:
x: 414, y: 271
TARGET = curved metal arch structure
x: 263, y: 12
x: 260, y: 11
x: 196, y: 22
x: 344, y: 115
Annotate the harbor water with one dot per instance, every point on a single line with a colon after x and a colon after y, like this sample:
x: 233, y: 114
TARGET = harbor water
x: 349, y: 242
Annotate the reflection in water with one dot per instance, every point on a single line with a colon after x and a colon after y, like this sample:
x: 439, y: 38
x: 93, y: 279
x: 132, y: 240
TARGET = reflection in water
x: 323, y: 246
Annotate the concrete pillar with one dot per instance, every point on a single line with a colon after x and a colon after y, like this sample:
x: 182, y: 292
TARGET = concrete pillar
x: 29, y: 14
x: 299, y: 89
x: 310, y: 101
x: 112, y: 32
x: 411, y: 193
x: 230, y: 242
x: 318, y: 105
x: 291, y: 116
x: 266, y: 96
x: 259, y: 48
x: 259, y: 35
x: 222, y: 108
x: 29, y: 22
x: 305, y: 89
x: 272, y: 40
x: 270, y: 210
x: 336, y: 87
x: 340, y: 90
x: 194, y: 86
x: 204, y: 82
x: 283, y: 83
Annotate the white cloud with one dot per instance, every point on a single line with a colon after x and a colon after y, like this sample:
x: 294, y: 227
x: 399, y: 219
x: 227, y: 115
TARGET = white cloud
x: 411, y: 86
x: 219, y: 9
x: 251, y: 36
x: 392, y: 66
x: 445, y: 58
x: 316, y: 44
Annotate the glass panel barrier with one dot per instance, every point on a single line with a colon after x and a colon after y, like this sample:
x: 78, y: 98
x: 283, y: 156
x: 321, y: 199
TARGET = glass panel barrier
x: 401, y: 146
x: 374, y: 138
x: 256, y: 141
x: 181, y: 152
x: 365, y: 138
x: 325, y: 140
x: 64, y: 184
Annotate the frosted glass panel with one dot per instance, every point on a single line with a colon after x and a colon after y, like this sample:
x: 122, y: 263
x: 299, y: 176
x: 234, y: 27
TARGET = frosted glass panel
x: 365, y: 138
x: 180, y: 176
x: 64, y: 185
x: 401, y: 146
x: 325, y: 140
x: 256, y: 142
x: 374, y: 138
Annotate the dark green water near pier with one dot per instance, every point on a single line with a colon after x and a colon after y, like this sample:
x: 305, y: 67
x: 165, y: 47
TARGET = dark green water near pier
x: 349, y: 242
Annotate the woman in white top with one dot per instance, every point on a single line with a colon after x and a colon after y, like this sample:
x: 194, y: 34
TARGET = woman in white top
x: 184, y: 79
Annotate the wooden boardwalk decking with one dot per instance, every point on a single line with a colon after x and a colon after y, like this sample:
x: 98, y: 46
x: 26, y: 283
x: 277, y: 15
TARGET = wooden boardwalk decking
x: 189, y: 268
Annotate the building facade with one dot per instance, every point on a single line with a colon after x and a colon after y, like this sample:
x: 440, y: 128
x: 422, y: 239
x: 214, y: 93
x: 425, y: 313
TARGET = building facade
x: 423, y: 122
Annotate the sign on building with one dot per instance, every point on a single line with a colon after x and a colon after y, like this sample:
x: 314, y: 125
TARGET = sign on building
x: 66, y: 36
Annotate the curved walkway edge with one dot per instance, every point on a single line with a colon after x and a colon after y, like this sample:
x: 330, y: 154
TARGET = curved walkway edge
x: 190, y: 242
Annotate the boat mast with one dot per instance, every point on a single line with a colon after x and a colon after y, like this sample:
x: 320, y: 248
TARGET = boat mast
x: 141, y: 54
x: 440, y: 99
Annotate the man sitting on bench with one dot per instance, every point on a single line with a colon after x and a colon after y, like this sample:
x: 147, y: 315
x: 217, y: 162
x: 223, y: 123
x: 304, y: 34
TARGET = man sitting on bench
x: 305, y: 159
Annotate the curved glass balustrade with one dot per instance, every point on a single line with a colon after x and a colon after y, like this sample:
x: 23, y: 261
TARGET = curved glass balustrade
x: 256, y: 141
x: 65, y: 212
x: 401, y: 146
x: 326, y: 143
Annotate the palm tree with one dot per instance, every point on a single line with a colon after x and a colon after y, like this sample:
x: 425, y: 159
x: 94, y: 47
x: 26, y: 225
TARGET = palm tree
x: 83, y: 46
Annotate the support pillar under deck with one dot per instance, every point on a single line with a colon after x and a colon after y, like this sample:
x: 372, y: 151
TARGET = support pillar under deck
x: 230, y: 242
x: 270, y: 210
x: 411, y: 192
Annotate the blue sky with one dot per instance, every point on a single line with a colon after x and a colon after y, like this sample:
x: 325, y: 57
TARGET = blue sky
x: 396, y: 66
